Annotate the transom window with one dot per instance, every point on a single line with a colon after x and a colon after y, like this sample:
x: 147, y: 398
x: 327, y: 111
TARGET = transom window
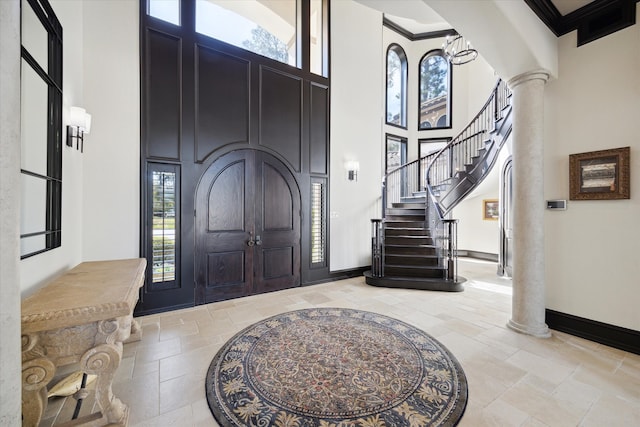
x: 271, y: 28
x: 435, y: 91
x: 396, y: 112
x: 266, y: 27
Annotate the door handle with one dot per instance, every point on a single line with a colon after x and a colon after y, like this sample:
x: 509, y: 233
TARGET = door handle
x: 258, y: 241
x: 251, y: 242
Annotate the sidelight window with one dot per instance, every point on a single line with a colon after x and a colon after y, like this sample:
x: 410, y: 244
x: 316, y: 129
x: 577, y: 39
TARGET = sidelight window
x: 164, y: 205
x: 318, y: 229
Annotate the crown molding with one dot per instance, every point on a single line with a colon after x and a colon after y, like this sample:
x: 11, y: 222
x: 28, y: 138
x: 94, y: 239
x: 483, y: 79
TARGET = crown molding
x: 420, y: 36
x: 592, y: 21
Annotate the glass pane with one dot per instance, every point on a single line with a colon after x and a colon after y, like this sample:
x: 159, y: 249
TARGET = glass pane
x: 317, y: 223
x: 164, y: 226
x: 167, y: 10
x: 35, y: 37
x: 317, y: 38
x: 29, y: 245
x: 33, y: 207
x: 266, y: 27
x: 33, y: 107
x: 434, y: 90
x: 394, y: 89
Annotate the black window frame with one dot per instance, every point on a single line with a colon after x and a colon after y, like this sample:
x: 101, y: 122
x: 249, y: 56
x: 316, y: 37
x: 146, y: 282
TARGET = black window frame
x: 429, y: 54
x: 404, y: 150
x: 404, y: 64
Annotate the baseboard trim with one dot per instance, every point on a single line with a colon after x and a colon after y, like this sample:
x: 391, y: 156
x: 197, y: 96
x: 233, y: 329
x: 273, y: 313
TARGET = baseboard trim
x: 138, y: 313
x: 603, y: 333
x: 478, y: 255
x: 340, y: 275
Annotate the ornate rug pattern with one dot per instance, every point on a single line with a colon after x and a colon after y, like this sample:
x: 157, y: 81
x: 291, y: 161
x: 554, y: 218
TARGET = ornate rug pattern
x: 335, y: 368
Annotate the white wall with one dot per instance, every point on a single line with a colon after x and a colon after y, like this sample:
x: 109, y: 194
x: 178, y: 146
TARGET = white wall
x: 38, y: 270
x: 100, y: 196
x: 111, y: 207
x: 474, y: 232
x: 356, y: 129
x: 592, y: 263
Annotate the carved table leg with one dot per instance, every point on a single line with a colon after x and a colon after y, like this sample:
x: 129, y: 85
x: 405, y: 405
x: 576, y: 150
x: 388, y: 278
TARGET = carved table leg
x: 103, y: 360
x: 136, y: 332
x: 36, y: 374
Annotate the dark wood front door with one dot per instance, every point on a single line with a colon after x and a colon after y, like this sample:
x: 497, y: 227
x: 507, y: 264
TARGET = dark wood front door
x: 247, y: 227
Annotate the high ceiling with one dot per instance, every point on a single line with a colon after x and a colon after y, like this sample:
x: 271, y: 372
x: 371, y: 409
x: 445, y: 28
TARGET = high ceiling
x: 567, y: 6
x: 424, y: 19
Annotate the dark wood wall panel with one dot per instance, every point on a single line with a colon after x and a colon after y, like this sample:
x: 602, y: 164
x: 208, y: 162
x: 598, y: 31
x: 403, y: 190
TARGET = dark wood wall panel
x: 163, y: 95
x: 222, y: 98
x: 281, y: 114
x: 318, y: 132
x: 226, y: 208
x: 278, y: 202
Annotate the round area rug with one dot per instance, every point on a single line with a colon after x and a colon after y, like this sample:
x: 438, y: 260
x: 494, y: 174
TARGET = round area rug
x: 335, y: 367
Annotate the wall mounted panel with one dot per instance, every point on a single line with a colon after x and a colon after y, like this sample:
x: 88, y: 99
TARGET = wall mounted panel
x: 222, y: 100
x: 319, y: 129
x: 164, y: 97
x: 281, y: 114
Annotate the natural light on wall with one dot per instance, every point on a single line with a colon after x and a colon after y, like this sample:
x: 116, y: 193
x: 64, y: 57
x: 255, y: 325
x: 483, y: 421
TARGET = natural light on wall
x: 265, y: 27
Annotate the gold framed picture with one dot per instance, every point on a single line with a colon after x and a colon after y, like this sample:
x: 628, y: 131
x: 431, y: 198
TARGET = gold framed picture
x: 599, y: 175
x: 490, y: 209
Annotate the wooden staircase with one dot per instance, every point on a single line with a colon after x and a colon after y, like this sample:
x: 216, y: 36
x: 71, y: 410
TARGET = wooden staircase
x: 414, y: 244
x: 410, y: 253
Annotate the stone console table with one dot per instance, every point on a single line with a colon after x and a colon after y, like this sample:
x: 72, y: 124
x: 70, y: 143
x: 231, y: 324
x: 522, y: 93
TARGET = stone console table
x: 81, y: 317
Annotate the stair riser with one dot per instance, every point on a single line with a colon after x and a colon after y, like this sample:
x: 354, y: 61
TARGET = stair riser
x: 413, y: 272
x: 405, y: 224
x: 403, y: 250
x: 409, y: 205
x: 406, y: 232
x: 404, y: 217
x: 409, y: 241
x: 405, y: 211
x: 411, y: 261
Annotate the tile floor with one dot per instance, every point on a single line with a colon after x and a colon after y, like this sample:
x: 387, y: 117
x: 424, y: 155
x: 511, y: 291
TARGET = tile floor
x: 514, y: 380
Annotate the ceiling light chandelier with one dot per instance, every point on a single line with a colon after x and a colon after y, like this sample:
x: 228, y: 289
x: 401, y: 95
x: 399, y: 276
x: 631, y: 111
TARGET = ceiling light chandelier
x: 458, y: 51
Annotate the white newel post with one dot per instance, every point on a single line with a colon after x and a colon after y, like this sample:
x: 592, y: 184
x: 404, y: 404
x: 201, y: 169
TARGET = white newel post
x: 528, y: 306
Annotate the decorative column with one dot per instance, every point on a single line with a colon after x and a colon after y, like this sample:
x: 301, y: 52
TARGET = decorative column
x: 10, y: 344
x: 528, y: 306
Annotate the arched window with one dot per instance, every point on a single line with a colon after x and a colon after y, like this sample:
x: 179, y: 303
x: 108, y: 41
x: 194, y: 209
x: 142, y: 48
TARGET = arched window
x: 396, y: 86
x: 435, y: 91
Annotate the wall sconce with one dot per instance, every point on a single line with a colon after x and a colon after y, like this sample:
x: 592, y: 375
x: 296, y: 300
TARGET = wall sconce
x: 352, y: 166
x: 79, y: 124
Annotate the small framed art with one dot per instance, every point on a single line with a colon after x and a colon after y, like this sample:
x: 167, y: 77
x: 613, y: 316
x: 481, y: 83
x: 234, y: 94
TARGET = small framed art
x: 490, y: 209
x: 599, y: 175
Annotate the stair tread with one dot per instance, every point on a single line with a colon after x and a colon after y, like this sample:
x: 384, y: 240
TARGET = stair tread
x: 392, y: 245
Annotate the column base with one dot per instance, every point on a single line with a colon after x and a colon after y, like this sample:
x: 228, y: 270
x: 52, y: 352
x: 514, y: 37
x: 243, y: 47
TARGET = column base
x: 538, y: 332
